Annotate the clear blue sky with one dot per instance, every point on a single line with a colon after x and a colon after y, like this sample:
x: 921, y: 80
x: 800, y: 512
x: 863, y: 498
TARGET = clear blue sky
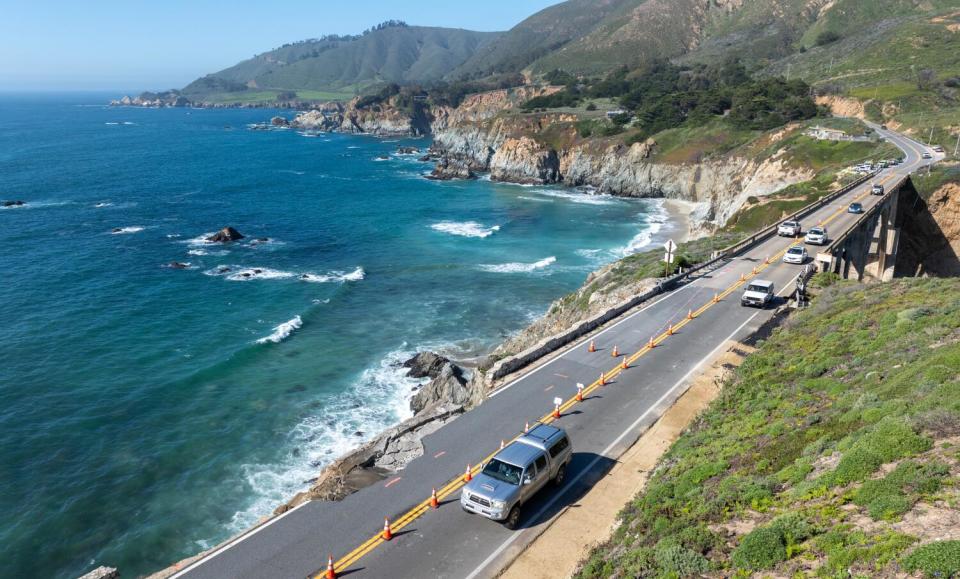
x: 134, y: 44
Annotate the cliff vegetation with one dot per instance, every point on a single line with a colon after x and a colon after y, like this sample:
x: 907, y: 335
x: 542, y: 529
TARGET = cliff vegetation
x: 832, y: 451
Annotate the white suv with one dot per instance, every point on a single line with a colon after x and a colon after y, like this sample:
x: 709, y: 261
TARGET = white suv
x: 796, y: 254
x: 816, y: 236
x: 789, y: 229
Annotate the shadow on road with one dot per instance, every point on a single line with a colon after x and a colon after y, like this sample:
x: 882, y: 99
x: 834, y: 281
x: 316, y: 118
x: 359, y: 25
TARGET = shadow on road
x: 598, y: 467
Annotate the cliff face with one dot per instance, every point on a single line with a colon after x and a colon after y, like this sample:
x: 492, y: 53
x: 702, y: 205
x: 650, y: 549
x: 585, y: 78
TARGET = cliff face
x: 513, y: 148
x: 337, y: 117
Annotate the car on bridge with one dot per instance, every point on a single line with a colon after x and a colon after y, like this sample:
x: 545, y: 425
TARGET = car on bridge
x: 816, y: 236
x: 759, y: 293
x: 789, y: 228
x: 515, y: 474
x: 855, y: 207
x: 877, y: 189
x: 796, y: 254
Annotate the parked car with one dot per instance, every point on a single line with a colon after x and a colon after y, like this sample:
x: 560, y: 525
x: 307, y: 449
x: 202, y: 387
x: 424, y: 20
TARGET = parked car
x: 938, y: 149
x: 759, y: 293
x: 796, y: 254
x: 877, y: 189
x: 884, y: 127
x: 516, y: 473
x: 927, y: 155
x: 789, y: 229
x: 816, y: 236
x: 855, y: 208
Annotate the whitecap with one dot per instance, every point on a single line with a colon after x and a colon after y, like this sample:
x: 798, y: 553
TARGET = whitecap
x: 126, y: 230
x: 654, y: 222
x: 256, y: 273
x: 292, y: 172
x: 517, y: 267
x: 334, y: 276
x: 465, y: 228
x: 283, y: 331
x: 578, y: 197
x: 103, y: 204
x: 537, y: 199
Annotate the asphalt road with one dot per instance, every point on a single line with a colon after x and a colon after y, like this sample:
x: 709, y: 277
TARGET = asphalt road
x: 448, y: 542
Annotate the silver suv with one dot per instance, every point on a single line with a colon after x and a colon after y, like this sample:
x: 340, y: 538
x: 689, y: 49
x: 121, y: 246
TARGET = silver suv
x: 516, y: 473
x: 759, y: 294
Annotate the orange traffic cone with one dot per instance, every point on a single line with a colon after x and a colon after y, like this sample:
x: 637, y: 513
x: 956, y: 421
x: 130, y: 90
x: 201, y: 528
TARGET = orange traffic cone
x: 614, y: 352
x: 556, y: 411
x: 592, y: 347
x: 603, y: 379
x: 502, y: 444
x: 716, y: 298
x: 651, y: 344
x: 623, y: 364
x: 754, y: 271
x: 743, y: 277
x: 387, y: 533
x: 434, y: 503
x: 689, y: 314
x: 579, y: 392
x: 331, y: 574
x: 526, y: 427
x: 670, y: 330
x: 467, y: 476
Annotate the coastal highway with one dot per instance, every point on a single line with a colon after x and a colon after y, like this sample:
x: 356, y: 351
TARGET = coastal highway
x: 447, y: 542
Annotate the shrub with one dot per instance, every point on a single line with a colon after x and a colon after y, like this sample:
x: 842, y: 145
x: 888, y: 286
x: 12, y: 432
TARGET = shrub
x: 826, y: 37
x: 680, y: 562
x: 761, y: 548
x: 941, y: 559
x: 793, y: 528
x: 824, y: 279
x: 591, y: 107
x: 888, y: 440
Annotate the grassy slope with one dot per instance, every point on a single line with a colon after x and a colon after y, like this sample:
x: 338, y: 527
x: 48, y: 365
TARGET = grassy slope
x: 772, y: 475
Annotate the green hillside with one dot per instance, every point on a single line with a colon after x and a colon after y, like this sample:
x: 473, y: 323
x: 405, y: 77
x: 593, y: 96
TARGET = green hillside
x: 831, y: 452
x: 345, y: 65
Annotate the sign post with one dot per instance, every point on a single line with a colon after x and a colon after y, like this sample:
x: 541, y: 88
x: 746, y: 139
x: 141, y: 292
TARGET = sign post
x: 671, y: 248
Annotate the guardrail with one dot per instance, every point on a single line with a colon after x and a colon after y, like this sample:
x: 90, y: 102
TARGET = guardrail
x: 518, y: 361
x: 869, y: 214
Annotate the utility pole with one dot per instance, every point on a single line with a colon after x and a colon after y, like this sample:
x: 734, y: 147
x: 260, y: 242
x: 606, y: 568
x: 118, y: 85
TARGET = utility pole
x: 930, y: 138
x: 957, y: 146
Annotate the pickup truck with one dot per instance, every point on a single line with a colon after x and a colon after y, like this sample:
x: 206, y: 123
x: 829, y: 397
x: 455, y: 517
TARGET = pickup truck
x: 789, y: 229
x: 759, y: 293
x: 877, y: 189
x: 516, y: 473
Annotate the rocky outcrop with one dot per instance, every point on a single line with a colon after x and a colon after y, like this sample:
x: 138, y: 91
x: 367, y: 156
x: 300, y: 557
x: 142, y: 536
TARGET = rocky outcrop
x: 170, y: 98
x: 449, y: 386
x: 425, y: 365
x: 102, y: 573
x: 385, y: 119
x: 448, y: 169
x: 279, y: 121
x: 930, y: 235
x: 388, y: 452
x: 16, y: 203
x: 225, y: 235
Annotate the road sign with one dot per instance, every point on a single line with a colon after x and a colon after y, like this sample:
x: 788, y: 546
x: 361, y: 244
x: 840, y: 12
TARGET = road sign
x: 558, y: 401
x: 671, y: 248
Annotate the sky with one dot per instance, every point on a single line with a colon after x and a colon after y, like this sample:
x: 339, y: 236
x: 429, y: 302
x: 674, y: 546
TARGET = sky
x: 138, y: 45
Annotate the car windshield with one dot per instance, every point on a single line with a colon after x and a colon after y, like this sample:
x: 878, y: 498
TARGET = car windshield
x: 816, y: 231
x: 789, y: 223
x: 756, y: 288
x: 503, y: 471
x: 854, y: 206
x: 795, y: 250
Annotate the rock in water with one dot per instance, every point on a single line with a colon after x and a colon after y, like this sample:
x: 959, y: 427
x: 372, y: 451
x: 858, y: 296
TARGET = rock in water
x: 408, y: 151
x: 425, y: 365
x: 178, y: 265
x: 279, y: 122
x: 226, y: 234
x: 16, y: 203
x: 448, y: 169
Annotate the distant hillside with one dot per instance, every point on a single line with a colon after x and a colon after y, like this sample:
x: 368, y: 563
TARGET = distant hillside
x: 342, y: 66
x: 540, y: 35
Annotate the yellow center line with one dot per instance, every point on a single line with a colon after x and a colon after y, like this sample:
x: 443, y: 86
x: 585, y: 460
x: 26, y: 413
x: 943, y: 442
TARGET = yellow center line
x: 458, y: 482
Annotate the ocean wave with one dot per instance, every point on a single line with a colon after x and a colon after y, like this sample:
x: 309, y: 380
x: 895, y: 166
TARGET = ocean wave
x: 378, y: 399
x: 465, y: 228
x: 292, y: 172
x: 519, y: 267
x: 334, y: 276
x: 283, y: 331
x: 201, y: 252
x: 537, y: 199
x: 653, y: 224
x: 585, y: 197
x: 126, y: 230
x: 255, y: 273
x: 103, y: 204
x: 35, y: 205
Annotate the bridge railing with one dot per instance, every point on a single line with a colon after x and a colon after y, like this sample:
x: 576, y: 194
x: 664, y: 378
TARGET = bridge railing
x: 869, y: 214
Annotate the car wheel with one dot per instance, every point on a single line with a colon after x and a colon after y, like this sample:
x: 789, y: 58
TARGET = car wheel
x: 513, y: 519
x: 561, y: 475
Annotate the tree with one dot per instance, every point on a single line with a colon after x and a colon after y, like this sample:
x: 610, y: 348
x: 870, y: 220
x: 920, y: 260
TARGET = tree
x: 827, y: 37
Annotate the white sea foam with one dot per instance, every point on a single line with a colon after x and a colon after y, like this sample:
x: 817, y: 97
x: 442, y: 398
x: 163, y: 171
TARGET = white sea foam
x: 537, y: 199
x: 334, y: 276
x: 292, y: 172
x: 378, y: 399
x: 103, y: 204
x: 256, y: 273
x: 654, y: 223
x: 579, y: 197
x: 519, y: 267
x: 283, y: 331
x: 126, y: 230
x: 465, y: 228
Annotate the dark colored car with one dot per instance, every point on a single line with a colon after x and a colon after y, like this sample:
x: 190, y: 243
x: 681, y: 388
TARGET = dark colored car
x: 855, y: 208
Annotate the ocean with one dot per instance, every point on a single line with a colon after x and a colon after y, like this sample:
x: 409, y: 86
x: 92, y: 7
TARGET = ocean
x: 147, y: 411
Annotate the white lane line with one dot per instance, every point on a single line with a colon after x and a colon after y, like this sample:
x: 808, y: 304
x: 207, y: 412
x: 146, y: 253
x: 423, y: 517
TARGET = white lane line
x: 513, y: 537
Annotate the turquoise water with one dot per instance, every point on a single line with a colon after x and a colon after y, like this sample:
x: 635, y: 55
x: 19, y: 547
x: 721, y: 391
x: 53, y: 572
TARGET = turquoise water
x: 147, y: 412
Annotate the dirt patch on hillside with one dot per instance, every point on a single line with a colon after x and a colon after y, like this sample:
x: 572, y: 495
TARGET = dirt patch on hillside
x: 842, y: 106
x: 570, y: 536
